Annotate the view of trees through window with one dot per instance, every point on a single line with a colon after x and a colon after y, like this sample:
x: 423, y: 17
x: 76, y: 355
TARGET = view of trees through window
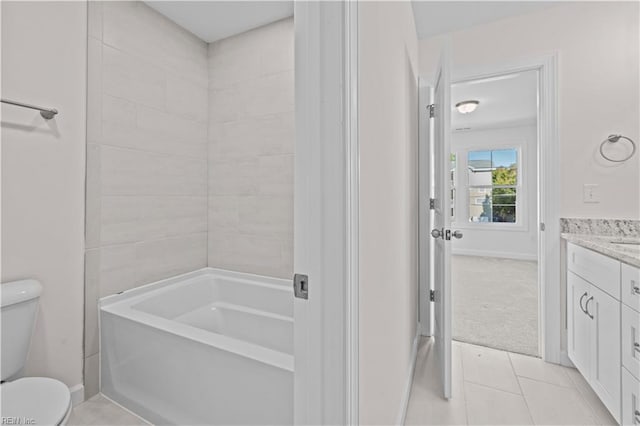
x: 493, y: 185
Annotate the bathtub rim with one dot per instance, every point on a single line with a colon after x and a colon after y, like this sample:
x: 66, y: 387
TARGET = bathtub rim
x: 120, y: 304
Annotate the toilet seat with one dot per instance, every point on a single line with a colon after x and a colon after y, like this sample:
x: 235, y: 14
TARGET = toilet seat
x: 39, y: 400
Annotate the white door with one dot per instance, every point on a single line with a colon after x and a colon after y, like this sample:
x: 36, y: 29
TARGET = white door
x: 441, y: 121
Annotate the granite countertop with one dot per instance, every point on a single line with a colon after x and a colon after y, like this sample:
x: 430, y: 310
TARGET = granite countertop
x: 618, y: 247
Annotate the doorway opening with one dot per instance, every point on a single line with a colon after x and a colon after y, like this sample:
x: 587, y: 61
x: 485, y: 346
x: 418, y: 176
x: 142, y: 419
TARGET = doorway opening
x: 494, y: 203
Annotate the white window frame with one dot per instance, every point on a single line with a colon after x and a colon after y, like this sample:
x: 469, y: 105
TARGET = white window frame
x: 462, y: 188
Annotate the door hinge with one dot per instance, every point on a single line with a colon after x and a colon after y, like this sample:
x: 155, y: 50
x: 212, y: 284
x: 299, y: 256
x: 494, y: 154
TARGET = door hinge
x: 431, y: 109
x: 432, y: 203
x: 301, y: 286
x: 432, y: 295
x: 542, y: 226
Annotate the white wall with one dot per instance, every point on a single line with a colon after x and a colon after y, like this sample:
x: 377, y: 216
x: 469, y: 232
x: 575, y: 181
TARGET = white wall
x: 388, y: 125
x: 147, y: 156
x: 518, y: 241
x: 251, y: 148
x: 597, y: 44
x: 44, y: 62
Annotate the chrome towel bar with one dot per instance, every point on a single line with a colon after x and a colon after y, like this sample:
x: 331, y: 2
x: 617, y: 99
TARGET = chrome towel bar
x: 46, y: 113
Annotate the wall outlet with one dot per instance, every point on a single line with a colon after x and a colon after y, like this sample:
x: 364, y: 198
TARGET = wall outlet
x: 590, y: 193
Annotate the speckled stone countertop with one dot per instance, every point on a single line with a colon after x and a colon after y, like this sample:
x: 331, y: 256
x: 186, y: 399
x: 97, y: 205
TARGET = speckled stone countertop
x: 620, y: 248
x: 616, y: 238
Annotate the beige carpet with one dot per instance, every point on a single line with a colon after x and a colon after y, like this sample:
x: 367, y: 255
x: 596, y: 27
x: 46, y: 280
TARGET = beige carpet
x: 495, y: 303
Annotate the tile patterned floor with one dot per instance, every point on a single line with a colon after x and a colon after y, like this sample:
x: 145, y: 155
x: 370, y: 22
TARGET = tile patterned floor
x: 490, y: 387
x: 493, y: 387
x: 99, y: 411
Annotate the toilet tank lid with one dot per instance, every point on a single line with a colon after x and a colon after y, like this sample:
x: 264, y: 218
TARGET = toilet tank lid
x: 19, y: 291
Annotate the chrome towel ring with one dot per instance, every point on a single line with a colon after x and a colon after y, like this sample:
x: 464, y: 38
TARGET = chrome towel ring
x: 614, y: 139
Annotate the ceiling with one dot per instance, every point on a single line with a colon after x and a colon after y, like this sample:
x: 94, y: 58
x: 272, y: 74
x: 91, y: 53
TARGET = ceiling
x: 215, y: 20
x: 439, y: 17
x: 507, y: 100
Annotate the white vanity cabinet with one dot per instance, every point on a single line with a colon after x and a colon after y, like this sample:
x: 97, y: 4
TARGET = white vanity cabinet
x: 594, y: 323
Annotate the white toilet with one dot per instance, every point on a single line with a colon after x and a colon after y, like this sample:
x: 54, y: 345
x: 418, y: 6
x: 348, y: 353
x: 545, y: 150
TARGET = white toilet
x: 28, y: 400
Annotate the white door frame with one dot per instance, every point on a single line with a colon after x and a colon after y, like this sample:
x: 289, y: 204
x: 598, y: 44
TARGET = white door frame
x: 326, y: 212
x: 551, y: 322
x: 425, y: 217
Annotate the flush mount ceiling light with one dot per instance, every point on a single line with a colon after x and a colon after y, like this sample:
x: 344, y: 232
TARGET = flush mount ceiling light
x: 465, y: 107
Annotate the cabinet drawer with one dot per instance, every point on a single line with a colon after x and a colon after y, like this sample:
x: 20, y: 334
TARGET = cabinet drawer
x: 630, y: 399
x: 631, y: 340
x: 599, y: 270
x: 630, y: 286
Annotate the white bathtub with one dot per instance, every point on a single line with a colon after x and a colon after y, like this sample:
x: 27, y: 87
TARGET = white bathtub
x: 207, y: 347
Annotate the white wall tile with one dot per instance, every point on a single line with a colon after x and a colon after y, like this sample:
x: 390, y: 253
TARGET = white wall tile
x: 130, y: 125
x: 171, y: 133
x: 266, y: 215
x: 127, y: 219
x: 276, y: 175
x: 132, y: 172
x: 224, y: 213
x: 92, y: 282
x: 226, y: 104
x: 247, y: 253
x: 186, y: 98
x: 266, y: 135
x: 127, y: 76
x: 251, y: 148
x: 235, y: 177
x: 147, y: 203
x: 91, y: 375
x: 137, y: 29
x: 117, y: 269
x: 159, y: 259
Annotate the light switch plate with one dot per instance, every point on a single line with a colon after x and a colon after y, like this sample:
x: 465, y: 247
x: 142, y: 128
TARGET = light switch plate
x: 591, y: 193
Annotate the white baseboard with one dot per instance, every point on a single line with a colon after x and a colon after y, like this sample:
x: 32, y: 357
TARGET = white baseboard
x: 564, y: 360
x: 499, y: 254
x: 423, y: 330
x: 404, y: 402
x: 77, y: 394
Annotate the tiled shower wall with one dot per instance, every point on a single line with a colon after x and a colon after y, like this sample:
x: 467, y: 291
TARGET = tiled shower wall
x: 251, y: 145
x: 146, y: 213
x: 162, y: 197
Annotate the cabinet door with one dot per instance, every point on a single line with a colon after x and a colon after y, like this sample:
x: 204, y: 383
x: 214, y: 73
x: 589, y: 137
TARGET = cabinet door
x: 631, y: 340
x: 579, y: 324
x: 605, y: 377
x: 630, y: 399
x: 630, y: 286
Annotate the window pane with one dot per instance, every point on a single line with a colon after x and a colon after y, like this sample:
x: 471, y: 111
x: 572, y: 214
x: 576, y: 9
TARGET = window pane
x: 492, y: 204
x: 504, y: 164
x: 497, y: 167
x: 479, y: 167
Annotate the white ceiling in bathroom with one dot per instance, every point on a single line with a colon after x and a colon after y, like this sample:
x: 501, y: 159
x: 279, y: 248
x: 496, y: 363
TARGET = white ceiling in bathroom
x: 439, y: 17
x: 507, y: 100
x: 215, y: 20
